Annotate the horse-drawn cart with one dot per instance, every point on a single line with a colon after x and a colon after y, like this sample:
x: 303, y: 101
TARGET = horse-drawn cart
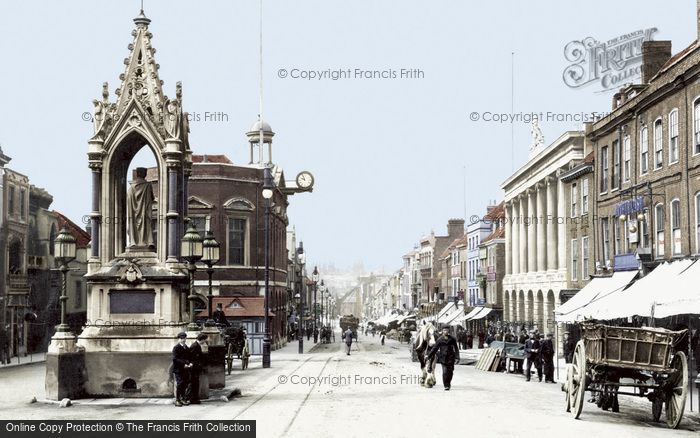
x: 643, y: 359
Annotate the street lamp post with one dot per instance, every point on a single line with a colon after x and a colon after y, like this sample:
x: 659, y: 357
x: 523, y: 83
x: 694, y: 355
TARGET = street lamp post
x: 191, y: 252
x: 301, y: 294
x: 267, y: 194
x: 320, y: 316
x: 300, y: 335
x: 64, y: 250
x: 210, y: 257
x: 314, y: 277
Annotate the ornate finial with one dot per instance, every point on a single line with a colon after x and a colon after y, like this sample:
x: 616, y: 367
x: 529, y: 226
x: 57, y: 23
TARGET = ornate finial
x: 105, y: 92
x: 178, y: 90
x: 142, y: 20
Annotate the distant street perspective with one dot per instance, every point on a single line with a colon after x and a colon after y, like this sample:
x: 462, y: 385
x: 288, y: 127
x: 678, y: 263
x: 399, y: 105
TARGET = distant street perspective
x: 470, y: 219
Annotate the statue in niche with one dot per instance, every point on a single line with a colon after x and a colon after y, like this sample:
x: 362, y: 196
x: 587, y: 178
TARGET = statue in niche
x: 172, y: 118
x: 138, y: 204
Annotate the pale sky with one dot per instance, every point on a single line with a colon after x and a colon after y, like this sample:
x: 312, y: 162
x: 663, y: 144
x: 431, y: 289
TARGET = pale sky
x: 387, y: 154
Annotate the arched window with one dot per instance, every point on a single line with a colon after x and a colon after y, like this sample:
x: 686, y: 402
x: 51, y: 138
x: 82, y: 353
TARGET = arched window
x: 643, y: 150
x: 658, y: 144
x: 659, y: 222
x: 676, y: 226
x: 52, y: 238
x: 673, y: 136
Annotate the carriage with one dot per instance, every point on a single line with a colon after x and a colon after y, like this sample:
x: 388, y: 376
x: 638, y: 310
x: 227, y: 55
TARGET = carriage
x: 642, y: 360
x: 349, y: 322
x: 235, y: 343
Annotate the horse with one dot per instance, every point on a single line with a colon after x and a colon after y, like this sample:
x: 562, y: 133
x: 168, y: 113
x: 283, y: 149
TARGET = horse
x: 424, y: 340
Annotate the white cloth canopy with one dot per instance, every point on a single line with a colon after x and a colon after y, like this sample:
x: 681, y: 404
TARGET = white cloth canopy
x: 575, y: 309
x: 473, y: 312
x: 476, y: 313
x: 664, y: 285
x: 448, y: 308
x: 446, y: 318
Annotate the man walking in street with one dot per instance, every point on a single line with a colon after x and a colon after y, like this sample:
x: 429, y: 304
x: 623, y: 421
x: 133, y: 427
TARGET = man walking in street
x: 181, y: 369
x: 569, y: 347
x: 197, y: 365
x: 347, y: 336
x: 447, y: 352
x: 547, y: 357
x: 532, y: 353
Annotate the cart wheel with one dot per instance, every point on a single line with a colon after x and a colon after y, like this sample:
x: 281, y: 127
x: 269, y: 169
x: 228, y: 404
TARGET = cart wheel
x: 656, y: 406
x: 569, y: 380
x: 678, y: 390
x: 578, y: 384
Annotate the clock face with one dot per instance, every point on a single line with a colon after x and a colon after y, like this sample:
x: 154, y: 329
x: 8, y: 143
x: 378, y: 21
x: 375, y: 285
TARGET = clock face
x: 305, y: 180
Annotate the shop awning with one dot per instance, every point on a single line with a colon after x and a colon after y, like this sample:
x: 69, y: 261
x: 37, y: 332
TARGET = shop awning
x: 449, y: 318
x: 666, y: 284
x: 449, y: 307
x: 476, y: 313
x: 574, y: 309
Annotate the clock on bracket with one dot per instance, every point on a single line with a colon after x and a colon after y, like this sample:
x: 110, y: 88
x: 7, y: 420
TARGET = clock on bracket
x: 305, y: 180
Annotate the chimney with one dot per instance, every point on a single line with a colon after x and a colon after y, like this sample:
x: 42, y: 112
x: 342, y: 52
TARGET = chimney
x: 654, y: 55
x: 455, y: 228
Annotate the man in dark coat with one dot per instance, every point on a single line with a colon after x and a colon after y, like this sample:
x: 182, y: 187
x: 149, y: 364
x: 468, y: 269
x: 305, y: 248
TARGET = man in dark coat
x: 532, y: 353
x: 569, y: 347
x: 347, y: 336
x: 181, y: 368
x: 4, y: 346
x: 447, y: 354
x: 470, y: 340
x: 198, y: 361
x: 219, y: 316
x: 547, y: 357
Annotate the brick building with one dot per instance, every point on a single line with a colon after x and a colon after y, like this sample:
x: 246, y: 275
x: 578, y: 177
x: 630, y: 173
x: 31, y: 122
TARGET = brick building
x: 227, y: 199
x: 648, y: 163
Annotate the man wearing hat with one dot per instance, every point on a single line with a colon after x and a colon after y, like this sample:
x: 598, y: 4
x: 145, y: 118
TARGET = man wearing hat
x: 447, y: 352
x: 181, y: 368
x: 532, y: 353
x: 197, y: 364
x: 569, y: 347
x: 547, y: 356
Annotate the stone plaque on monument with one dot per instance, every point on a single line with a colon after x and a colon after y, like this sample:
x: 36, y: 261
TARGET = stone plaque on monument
x: 132, y: 301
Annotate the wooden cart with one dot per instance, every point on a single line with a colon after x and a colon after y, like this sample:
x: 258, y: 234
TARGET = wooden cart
x: 609, y: 359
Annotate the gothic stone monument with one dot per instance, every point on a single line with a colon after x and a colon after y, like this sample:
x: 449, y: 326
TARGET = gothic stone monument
x: 137, y: 286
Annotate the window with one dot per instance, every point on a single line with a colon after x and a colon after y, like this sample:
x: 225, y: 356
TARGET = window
x: 616, y: 231
x: 644, y: 150
x: 696, y: 126
x: 236, y: 241
x: 658, y: 145
x: 659, y: 221
x: 676, y: 225
x: 626, y: 159
x: 584, y: 196
x: 645, y: 229
x: 616, y: 165
x: 200, y: 223
x: 584, y: 250
x: 604, y: 169
x: 574, y: 198
x: 574, y: 259
x: 22, y: 200
x: 11, y: 202
x: 605, y: 233
x: 673, y: 136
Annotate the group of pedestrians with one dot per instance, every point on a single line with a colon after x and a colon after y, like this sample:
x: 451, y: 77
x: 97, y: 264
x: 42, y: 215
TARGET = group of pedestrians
x: 540, y: 353
x: 188, y: 364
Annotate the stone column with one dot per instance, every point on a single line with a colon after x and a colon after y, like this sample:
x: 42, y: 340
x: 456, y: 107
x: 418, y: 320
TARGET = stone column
x: 541, y: 228
x: 532, y: 231
x: 561, y: 226
x: 509, y: 238
x: 172, y: 214
x: 552, y: 217
x: 95, y: 214
x: 523, y: 233
x: 515, y: 240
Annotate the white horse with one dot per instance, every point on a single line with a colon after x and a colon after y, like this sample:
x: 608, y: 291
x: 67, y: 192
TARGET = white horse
x: 424, y: 341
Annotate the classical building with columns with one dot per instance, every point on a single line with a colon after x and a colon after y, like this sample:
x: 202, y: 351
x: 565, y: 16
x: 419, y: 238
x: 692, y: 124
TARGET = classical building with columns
x: 536, y: 232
